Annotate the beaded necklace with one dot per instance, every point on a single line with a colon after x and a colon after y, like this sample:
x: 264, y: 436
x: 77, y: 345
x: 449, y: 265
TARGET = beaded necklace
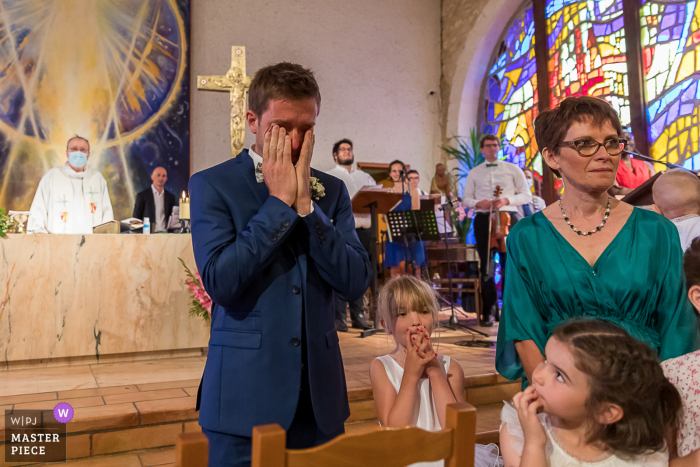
x: 597, y: 229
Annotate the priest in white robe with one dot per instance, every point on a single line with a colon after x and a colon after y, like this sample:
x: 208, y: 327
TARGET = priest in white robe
x: 73, y: 198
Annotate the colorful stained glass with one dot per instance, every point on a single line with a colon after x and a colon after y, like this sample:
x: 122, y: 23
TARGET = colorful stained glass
x: 586, y: 41
x: 670, y: 48
x: 510, y: 95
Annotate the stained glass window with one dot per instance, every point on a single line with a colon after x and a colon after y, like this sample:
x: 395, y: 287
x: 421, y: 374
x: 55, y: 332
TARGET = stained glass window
x: 587, y: 52
x: 510, y: 96
x: 670, y: 47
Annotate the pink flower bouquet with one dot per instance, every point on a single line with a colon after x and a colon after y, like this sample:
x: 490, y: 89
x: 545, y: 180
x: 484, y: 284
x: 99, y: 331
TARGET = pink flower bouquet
x: 201, y: 302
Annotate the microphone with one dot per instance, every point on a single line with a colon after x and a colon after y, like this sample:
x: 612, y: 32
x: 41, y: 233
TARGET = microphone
x: 651, y: 159
x: 401, y: 173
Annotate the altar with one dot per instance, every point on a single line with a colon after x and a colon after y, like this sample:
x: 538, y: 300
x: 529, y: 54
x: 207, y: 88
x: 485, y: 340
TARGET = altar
x: 65, y: 297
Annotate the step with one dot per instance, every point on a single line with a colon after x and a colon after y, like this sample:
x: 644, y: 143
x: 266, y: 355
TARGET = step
x: 115, y: 420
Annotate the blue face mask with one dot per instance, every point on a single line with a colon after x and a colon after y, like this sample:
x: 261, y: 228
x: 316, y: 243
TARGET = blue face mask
x: 77, y: 159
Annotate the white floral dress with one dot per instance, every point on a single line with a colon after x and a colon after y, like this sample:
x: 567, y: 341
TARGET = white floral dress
x: 684, y: 373
x: 558, y: 457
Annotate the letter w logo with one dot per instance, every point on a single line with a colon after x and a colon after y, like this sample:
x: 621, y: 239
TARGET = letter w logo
x: 63, y: 413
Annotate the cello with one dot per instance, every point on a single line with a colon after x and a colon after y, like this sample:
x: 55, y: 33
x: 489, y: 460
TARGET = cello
x: 499, y: 225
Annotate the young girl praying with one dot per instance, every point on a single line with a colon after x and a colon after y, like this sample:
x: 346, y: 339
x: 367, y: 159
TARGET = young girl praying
x: 604, y: 402
x: 413, y: 385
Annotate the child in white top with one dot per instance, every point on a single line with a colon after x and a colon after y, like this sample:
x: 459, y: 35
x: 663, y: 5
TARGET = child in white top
x: 604, y: 402
x: 413, y: 385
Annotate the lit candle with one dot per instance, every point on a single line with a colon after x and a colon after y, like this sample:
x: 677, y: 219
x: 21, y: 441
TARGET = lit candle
x: 184, y: 207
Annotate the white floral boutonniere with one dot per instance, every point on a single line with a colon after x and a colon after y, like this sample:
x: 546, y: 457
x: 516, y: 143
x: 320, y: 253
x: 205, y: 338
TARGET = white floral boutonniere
x: 317, y: 189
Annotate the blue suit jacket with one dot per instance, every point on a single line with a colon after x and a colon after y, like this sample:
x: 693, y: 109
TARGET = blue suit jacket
x: 261, y: 263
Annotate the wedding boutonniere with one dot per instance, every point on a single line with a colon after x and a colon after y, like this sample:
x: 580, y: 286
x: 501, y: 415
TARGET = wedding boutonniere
x: 317, y: 189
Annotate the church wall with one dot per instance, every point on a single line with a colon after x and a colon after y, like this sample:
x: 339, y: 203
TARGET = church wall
x: 376, y: 64
x: 471, y: 30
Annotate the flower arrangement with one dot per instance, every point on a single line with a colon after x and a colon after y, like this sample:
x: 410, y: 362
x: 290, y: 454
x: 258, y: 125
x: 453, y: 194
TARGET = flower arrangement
x: 461, y: 220
x: 6, y: 223
x: 201, y: 302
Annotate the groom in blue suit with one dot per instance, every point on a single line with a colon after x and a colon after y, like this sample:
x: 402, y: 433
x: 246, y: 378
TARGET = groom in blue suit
x: 272, y: 253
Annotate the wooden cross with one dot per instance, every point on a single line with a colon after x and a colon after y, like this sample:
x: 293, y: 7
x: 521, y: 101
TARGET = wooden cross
x: 236, y: 83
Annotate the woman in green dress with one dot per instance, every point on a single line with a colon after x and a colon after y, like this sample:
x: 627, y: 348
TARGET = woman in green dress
x: 590, y: 255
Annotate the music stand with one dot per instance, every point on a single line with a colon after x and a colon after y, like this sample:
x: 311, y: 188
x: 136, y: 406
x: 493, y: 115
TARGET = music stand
x: 405, y: 226
x: 374, y: 201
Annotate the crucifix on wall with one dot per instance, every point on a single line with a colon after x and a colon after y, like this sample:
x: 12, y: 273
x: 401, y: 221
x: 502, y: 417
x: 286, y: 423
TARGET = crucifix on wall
x: 236, y: 83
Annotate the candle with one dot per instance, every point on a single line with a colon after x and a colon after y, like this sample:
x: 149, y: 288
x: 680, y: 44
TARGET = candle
x: 184, y: 207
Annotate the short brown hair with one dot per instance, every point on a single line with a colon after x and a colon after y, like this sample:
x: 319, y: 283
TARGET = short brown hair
x: 405, y: 293
x: 624, y: 371
x: 489, y: 138
x: 282, y: 81
x: 552, y: 125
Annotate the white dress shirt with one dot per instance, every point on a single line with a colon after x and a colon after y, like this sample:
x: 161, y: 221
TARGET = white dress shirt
x: 688, y: 229
x: 257, y: 158
x: 354, y: 180
x: 159, y: 221
x: 482, y: 180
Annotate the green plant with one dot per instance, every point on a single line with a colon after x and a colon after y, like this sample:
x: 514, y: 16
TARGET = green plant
x: 6, y: 223
x: 468, y: 155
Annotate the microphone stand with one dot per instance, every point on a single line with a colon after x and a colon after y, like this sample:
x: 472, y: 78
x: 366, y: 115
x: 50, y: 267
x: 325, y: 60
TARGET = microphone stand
x: 651, y: 159
x: 453, y: 322
x: 405, y: 239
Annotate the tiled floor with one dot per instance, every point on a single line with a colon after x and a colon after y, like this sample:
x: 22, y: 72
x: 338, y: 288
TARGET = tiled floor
x: 113, y: 381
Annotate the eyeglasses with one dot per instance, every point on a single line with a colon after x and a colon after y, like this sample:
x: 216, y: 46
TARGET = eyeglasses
x: 345, y: 150
x: 588, y: 147
x: 414, y: 178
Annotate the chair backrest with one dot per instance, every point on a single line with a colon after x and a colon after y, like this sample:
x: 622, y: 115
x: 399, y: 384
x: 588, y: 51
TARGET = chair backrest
x: 381, y: 447
x: 192, y: 450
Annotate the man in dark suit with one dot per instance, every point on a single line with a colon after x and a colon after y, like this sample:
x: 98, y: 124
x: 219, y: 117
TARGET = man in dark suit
x: 155, y: 202
x: 272, y: 258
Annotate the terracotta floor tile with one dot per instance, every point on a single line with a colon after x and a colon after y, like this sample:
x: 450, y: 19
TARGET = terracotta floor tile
x: 167, y: 384
x: 192, y: 391
x: 49, y: 405
x: 167, y: 410
x: 18, y: 399
x: 135, y: 438
x: 148, y: 371
x: 145, y: 396
x: 157, y: 457
x: 78, y: 446
x: 38, y: 380
x: 98, y: 391
x: 121, y: 460
x: 106, y: 416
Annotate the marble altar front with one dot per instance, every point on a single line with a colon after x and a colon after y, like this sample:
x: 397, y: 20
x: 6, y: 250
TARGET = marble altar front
x: 64, y: 296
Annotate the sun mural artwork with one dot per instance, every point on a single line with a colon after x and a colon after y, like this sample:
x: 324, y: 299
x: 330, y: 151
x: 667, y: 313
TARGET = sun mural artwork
x: 510, y: 95
x: 116, y: 73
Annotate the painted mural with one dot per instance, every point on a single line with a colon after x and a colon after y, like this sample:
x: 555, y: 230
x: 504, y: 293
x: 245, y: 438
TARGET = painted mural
x: 113, y: 71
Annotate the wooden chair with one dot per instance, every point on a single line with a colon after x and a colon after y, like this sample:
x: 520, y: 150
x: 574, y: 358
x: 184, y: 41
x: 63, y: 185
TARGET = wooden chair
x: 380, y: 447
x: 192, y: 450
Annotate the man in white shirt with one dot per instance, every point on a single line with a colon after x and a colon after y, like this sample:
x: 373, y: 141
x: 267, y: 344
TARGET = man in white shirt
x: 73, y: 198
x: 479, y: 193
x: 155, y: 202
x: 354, y: 179
x: 677, y: 197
